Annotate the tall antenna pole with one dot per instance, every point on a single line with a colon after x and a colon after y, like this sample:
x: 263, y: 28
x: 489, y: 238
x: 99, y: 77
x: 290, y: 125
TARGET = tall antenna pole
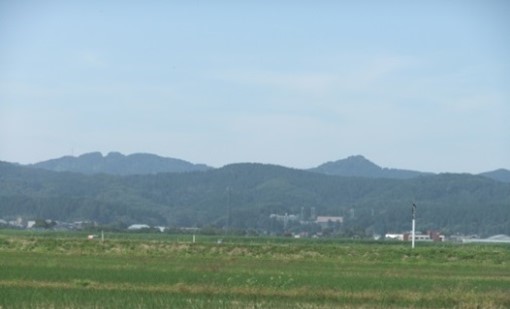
x: 414, y: 225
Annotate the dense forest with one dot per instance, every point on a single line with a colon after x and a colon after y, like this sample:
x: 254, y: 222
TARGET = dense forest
x: 243, y: 196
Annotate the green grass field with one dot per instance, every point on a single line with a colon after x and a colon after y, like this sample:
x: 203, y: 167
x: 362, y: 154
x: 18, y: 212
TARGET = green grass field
x: 142, y: 271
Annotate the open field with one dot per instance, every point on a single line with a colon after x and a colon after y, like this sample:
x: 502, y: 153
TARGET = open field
x: 57, y: 271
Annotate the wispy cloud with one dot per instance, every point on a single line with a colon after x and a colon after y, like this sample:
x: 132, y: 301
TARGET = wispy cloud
x: 308, y: 83
x: 349, y: 72
x: 92, y: 59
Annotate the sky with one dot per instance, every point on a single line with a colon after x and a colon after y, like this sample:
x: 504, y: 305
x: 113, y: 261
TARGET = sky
x: 422, y: 85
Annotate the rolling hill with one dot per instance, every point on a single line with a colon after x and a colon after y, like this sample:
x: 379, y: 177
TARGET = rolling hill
x: 501, y: 174
x: 449, y: 202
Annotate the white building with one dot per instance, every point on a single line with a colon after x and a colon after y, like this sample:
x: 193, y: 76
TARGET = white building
x: 325, y: 221
x: 394, y: 236
x: 430, y: 236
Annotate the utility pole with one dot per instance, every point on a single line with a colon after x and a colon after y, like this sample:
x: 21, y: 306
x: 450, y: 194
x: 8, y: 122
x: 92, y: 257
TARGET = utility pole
x: 414, y: 226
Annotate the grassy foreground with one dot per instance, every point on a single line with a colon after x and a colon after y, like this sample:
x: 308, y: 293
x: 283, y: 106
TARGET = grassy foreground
x: 67, y: 272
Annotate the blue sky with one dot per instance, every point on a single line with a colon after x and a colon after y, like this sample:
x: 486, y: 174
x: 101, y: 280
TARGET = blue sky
x: 408, y: 84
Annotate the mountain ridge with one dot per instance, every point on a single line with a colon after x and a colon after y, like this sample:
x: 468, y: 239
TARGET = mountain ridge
x: 251, y: 192
x: 116, y: 163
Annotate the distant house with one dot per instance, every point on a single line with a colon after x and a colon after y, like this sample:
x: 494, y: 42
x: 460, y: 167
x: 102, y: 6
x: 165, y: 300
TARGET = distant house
x: 326, y: 221
x: 284, y: 218
x: 430, y: 236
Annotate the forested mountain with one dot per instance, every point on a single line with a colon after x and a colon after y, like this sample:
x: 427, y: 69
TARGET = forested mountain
x: 499, y: 175
x: 448, y: 202
x: 359, y: 166
x: 118, y: 164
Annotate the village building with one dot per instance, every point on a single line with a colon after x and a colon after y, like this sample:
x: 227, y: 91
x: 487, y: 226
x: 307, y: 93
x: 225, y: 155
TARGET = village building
x: 326, y: 221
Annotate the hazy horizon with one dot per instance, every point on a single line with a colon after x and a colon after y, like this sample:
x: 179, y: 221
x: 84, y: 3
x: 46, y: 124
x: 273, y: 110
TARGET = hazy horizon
x: 105, y: 154
x: 409, y: 85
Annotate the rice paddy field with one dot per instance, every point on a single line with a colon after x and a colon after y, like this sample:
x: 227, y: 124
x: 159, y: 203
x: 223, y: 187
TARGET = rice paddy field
x: 161, y: 271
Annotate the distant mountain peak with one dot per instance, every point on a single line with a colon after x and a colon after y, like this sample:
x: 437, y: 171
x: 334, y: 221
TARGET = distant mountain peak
x: 359, y: 166
x: 115, y: 154
x: 118, y: 164
x: 356, y: 157
x: 89, y: 155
